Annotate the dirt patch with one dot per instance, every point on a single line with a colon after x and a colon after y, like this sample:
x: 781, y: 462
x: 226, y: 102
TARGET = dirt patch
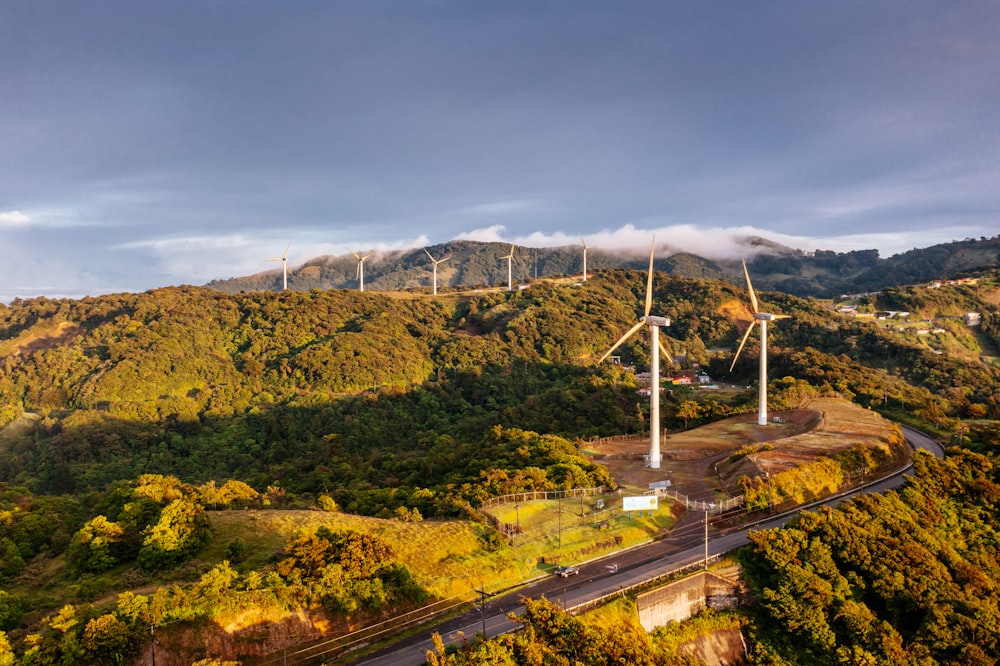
x: 692, y: 459
x: 32, y: 341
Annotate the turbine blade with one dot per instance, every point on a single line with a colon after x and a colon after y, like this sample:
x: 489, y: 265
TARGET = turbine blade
x: 445, y: 259
x: 742, y: 342
x: 782, y: 316
x: 428, y: 254
x: 753, y: 296
x: 649, y: 279
x: 584, y: 243
x: 285, y: 255
x: 355, y: 254
x: 621, y: 340
x: 665, y: 351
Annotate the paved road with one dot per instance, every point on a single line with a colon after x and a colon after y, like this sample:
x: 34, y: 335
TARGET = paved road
x: 684, y: 546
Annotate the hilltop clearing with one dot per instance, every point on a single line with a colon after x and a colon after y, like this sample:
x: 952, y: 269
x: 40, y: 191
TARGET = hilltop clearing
x: 707, y: 463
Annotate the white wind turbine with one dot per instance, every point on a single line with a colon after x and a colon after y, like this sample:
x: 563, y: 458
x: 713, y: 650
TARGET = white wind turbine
x: 585, y: 248
x: 762, y: 318
x: 655, y: 346
x: 510, y: 261
x: 436, y: 262
x: 284, y: 266
x: 360, y: 274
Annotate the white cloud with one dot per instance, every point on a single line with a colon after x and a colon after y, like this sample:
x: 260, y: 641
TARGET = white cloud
x: 486, y: 235
x: 711, y: 243
x: 13, y: 217
x: 722, y: 243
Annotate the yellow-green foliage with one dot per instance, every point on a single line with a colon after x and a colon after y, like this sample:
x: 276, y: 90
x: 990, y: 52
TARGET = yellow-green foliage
x: 669, y: 638
x: 445, y: 557
x: 806, y: 482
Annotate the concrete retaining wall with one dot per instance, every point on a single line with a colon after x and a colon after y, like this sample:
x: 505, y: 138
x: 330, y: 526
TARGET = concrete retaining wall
x: 681, y: 599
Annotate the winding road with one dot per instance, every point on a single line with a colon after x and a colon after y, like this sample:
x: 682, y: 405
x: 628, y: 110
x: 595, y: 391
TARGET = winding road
x: 683, y: 547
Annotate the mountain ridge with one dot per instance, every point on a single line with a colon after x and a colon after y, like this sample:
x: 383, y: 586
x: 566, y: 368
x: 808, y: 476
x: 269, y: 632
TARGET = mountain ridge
x: 465, y: 264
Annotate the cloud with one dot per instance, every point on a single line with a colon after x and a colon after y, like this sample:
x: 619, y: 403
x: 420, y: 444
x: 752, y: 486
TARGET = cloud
x: 195, y: 259
x: 487, y: 235
x: 501, y: 207
x: 54, y: 218
x: 721, y: 242
x: 13, y: 218
x: 711, y: 243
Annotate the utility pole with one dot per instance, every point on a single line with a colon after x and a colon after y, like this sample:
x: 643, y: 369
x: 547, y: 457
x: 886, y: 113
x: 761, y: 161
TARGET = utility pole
x: 559, y: 511
x: 152, y: 645
x: 517, y: 513
x: 706, y: 538
x: 482, y: 606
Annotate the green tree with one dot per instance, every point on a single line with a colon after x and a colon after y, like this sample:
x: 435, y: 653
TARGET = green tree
x: 108, y: 640
x: 180, y: 531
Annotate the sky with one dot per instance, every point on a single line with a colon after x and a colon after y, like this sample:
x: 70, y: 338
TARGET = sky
x: 148, y: 144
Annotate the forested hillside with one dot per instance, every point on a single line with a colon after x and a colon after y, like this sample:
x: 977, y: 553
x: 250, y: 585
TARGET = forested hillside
x: 469, y: 264
x: 127, y: 417
x: 358, y: 392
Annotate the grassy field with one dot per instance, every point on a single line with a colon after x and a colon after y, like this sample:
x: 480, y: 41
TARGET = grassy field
x: 449, y: 557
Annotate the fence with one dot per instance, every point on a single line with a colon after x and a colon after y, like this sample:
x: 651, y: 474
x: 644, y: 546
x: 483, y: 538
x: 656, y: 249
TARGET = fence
x: 626, y: 437
x: 700, y: 505
x: 541, y: 495
x: 513, y: 533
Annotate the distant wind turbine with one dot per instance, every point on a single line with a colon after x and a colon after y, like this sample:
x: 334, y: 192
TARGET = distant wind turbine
x: 360, y: 274
x: 585, y: 248
x: 436, y: 262
x: 510, y: 261
x: 762, y: 318
x: 284, y: 266
x: 655, y: 346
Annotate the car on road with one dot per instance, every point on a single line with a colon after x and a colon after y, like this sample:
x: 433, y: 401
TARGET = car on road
x: 566, y: 572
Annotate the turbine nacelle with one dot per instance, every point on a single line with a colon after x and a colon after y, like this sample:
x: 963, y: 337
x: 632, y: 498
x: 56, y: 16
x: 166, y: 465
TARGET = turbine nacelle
x: 653, y: 320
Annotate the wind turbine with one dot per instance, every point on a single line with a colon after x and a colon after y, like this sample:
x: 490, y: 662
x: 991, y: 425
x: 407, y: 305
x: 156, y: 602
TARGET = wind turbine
x: 361, y: 269
x: 762, y: 318
x: 436, y: 262
x: 510, y: 261
x: 284, y: 265
x: 655, y: 346
x: 585, y: 248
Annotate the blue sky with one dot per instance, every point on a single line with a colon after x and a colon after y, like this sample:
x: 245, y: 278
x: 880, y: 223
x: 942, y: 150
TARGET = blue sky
x: 144, y: 144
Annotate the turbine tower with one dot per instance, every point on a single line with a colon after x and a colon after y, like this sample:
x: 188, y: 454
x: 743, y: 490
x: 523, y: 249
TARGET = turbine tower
x: 360, y: 274
x: 436, y: 262
x: 510, y: 261
x: 585, y: 248
x: 284, y: 266
x: 762, y: 318
x: 655, y: 346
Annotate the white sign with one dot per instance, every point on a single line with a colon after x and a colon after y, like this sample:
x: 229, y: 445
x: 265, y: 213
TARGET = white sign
x: 640, y: 503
